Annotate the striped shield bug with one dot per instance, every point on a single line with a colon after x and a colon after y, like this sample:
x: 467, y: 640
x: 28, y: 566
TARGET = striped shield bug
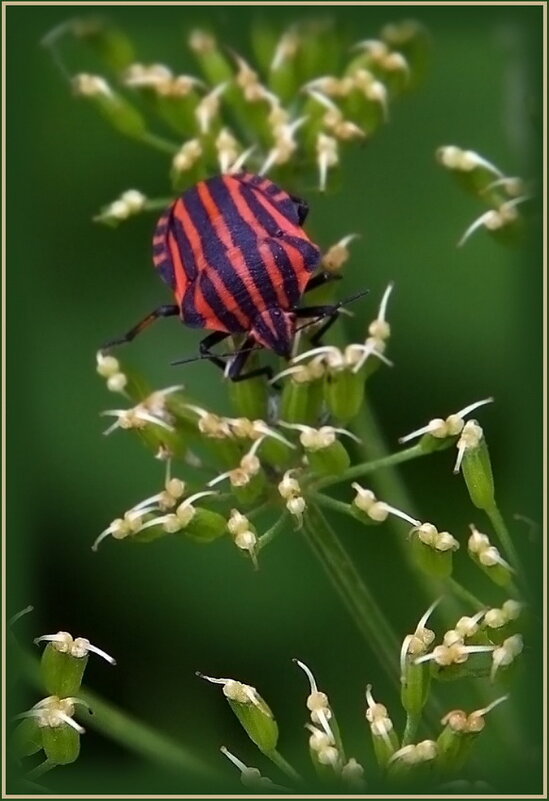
x: 233, y: 251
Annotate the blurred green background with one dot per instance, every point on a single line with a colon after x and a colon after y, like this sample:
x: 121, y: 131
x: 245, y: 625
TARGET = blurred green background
x: 466, y: 324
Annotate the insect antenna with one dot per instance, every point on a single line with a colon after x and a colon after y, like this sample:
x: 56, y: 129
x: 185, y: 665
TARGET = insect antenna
x: 336, y: 307
x: 202, y: 356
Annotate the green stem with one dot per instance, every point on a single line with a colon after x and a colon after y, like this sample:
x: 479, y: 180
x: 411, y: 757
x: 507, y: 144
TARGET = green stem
x: 460, y: 591
x: 284, y: 766
x: 130, y: 732
x: 271, y: 533
x: 40, y: 769
x: 157, y: 203
x: 356, y: 596
x: 359, y: 470
x: 500, y: 527
x: 333, y: 504
x: 159, y: 143
x: 410, y: 730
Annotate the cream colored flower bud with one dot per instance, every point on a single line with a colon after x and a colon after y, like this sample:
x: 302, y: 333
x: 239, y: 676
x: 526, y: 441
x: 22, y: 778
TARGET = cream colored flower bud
x: 364, y: 499
x: 117, y: 382
x: 90, y: 85
x: 378, y: 511
x: 134, y: 199
x: 512, y: 609
x: 428, y: 534
x: 317, y: 700
x: 328, y: 756
x: 107, y: 365
x: 237, y: 522
x: 246, y: 540
x: 495, y: 618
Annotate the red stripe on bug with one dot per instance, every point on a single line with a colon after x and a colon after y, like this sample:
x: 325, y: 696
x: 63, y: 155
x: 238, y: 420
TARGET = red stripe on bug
x: 181, y: 280
x: 266, y: 255
x: 202, y: 306
x: 234, y: 251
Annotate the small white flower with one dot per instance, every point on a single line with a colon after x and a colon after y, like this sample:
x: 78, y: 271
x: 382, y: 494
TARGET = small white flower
x: 450, y: 427
x: 239, y: 692
x: 208, y: 108
x: 336, y: 256
x: 366, y: 501
x: 90, y: 86
x: 317, y: 703
x: 53, y: 712
x: 494, y: 219
x: 187, y: 156
x: 417, y: 643
x: 78, y: 647
x: 152, y: 410
x: 251, y: 777
x: 327, y: 150
x: 284, y: 145
x: 315, y: 439
x: 286, y: 49
x: 506, y: 653
x: 377, y: 716
x: 470, y: 439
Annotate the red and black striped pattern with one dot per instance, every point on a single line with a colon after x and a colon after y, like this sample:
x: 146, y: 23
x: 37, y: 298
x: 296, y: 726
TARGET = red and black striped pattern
x: 233, y: 251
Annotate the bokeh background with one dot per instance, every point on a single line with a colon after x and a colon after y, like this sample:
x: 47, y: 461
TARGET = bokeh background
x: 466, y: 323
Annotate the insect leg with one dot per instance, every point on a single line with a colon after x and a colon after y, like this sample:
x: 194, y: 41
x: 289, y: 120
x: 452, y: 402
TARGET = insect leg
x: 162, y: 311
x: 321, y: 279
x: 331, y: 312
x: 208, y: 343
x: 235, y: 370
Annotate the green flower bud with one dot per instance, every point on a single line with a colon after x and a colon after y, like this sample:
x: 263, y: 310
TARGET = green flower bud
x: 27, y: 738
x: 418, y: 759
x: 213, y: 63
x: 331, y: 460
x: 178, y: 109
x: 344, y: 393
x: 488, y: 558
x: 61, y: 673
x: 124, y: 117
x: 60, y: 734
x: 111, y: 45
x: 61, y: 744
x: 248, y: 488
x: 205, y: 526
x: 453, y: 745
x: 473, y: 172
x: 474, y: 460
x: 283, y: 78
x: 415, y: 682
x: 412, y: 39
x: 430, y: 444
x: 274, y: 452
x: 226, y: 452
x: 384, y: 738
x: 432, y: 550
x: 318, y: 49
x: 251, y: 710
x: 250, y: 398
x: 415, y: 677
x: 434, y: 563
x: 64, y: 660
x: 302, y: 396
x: 456, y: 739
x: 150, y: 533
x: 366, y: 104
x: 264, y: 38
x: 325, y: 454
